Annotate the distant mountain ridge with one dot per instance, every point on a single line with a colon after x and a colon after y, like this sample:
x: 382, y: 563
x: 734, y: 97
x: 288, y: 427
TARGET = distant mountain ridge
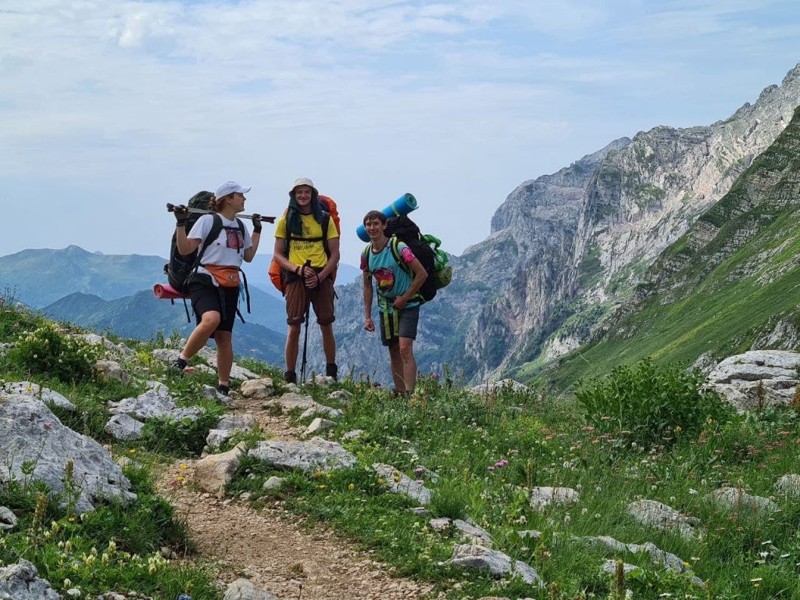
x: 113, y: 293
x: 143, y: 316
x: 39, y: 277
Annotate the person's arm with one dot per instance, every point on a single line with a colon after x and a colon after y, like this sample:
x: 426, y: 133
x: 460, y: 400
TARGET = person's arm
x: 420, y: 275
x: 184, y: 244
x: 333, y: 259
x: 368, y: 324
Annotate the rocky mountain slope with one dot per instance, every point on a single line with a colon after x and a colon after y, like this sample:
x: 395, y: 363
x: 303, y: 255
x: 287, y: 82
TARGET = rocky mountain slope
x: 566, y: 249
x: 729, y: 284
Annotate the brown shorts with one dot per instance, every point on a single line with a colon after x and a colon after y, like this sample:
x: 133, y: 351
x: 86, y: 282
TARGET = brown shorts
x: 298, y: 296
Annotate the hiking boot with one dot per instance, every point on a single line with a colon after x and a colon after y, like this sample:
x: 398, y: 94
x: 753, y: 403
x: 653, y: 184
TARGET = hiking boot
x: 178, y: 365
x: 331, y: 370
x: 290, y: 376
x: 223, y: 389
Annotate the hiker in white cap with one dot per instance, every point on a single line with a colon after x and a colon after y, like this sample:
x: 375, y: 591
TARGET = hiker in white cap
x: 214, y: 287
x: 307, y: 250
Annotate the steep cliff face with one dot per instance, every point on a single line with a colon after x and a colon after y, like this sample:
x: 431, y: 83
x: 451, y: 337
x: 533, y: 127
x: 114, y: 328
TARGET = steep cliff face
x: 640, y: 197
x: 567, y: 249
x: 728, y: 285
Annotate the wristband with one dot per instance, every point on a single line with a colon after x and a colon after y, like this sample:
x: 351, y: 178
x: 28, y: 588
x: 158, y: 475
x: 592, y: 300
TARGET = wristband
x: 181, y: 223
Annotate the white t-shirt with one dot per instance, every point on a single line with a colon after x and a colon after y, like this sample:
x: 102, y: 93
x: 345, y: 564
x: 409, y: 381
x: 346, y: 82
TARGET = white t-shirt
x: 228, y: 249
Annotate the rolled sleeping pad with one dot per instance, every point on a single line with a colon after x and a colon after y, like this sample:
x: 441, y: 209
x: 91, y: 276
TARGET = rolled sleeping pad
x: 165, y: 291
x: 402, y: 206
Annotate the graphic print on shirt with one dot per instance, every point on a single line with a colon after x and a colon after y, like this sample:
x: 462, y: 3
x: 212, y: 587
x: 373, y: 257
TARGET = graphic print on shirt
x: 384, y: 278
x: 234, y: 238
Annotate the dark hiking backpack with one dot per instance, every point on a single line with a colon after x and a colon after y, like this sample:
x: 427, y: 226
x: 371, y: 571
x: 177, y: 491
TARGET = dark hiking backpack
x: 180, y: 268
x: 425, y: 249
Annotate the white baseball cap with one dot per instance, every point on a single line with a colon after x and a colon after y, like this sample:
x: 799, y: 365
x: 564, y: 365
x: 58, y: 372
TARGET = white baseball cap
x: 230, y: 187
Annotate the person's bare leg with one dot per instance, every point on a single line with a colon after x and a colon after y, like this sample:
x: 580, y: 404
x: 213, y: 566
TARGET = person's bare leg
x: 201, y: 334
x: 396, y: 362
x: 224, y: 341
x: 406, y: 350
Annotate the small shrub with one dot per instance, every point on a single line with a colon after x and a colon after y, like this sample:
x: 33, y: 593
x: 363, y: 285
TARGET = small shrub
x: 47, y: 352
x: 179, y: 437
x: 649, y: 403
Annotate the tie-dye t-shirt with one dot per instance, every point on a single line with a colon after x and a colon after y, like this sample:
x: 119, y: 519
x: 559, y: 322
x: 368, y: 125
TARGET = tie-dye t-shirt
x: 391, y: 279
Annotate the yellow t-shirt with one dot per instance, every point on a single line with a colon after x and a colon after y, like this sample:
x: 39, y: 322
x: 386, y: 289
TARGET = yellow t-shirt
x: 301, y: 250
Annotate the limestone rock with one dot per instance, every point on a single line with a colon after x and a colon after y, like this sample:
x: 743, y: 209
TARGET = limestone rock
x: 400, y: 483
x: 788, y: 485
x: 316, y: 453
x: 659, y: 515
x: 21, y: 582
x: 352, y: 435
x: 243, y: 589
x: 110, y: 369
x: 34, y: 390
x: 273, y: 483
x: 341, y: 396
x: 124, y: 427
x: 737, y: 499
x: 155, y: 403
x: 30, y: 433
x: 214, y: 471
x: 8, y: 520
x: 542, y: 497
x: 292, y: 401
x: 227, y: 427
x: 321, y: 410
x: 667, y: 560
x: 493, y: 387
x: 473, y: 534
x: 497, y: 563
x: 257, y: 388
x: 756, y: 379
x: 318, y: 425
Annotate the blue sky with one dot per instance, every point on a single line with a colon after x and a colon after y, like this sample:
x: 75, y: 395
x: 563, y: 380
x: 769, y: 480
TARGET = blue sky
x: 109, y: 109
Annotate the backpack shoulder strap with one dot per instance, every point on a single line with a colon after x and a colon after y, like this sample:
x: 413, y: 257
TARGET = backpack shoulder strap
x: 365, y: 254
x: 326, y: 219
x: 213, y: 234
x: 395, y: 246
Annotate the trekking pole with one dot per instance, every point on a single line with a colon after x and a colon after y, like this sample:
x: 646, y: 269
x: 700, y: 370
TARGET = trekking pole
x: 305, y: 340
x: 202, y: 211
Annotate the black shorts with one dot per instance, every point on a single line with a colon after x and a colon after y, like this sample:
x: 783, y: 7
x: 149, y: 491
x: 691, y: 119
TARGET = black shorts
x: 220, y: 299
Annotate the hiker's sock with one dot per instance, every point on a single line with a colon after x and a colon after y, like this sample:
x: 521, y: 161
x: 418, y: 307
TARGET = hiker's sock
x: 224, y: 389
x: 290, y: 376
x: 331, y: 370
